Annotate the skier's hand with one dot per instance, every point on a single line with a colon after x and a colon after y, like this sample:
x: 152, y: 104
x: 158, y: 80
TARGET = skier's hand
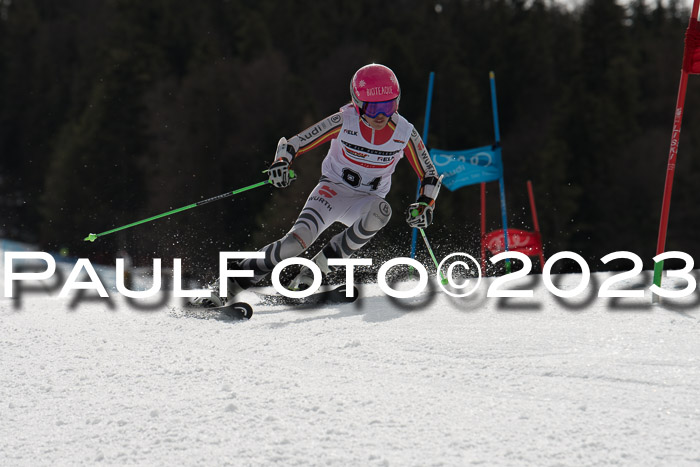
x: 419, y: 215
x: 278, y: 174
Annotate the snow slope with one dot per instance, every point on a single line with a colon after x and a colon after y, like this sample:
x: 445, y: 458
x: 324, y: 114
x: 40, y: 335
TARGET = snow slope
x: 426, y: 381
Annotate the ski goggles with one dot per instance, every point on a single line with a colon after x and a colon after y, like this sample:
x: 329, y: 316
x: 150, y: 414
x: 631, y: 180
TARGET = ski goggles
x: 373, y: 109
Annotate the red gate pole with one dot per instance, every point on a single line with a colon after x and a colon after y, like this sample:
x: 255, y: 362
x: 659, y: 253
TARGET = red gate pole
x: 535, y: 223
x: 673, y: 153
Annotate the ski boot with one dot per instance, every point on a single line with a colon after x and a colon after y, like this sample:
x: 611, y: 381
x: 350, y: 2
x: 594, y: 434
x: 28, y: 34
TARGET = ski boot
x: 305, y: 278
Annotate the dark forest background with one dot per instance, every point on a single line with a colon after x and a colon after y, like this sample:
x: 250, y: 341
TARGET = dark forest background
x: 112, y: 111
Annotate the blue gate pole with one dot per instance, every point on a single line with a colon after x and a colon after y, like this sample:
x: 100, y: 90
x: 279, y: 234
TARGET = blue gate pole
x: 428, y: 105
x: 501, y: 182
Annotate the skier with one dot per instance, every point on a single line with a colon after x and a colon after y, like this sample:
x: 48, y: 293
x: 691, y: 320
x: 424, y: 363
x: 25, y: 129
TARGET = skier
x: 367, y: 139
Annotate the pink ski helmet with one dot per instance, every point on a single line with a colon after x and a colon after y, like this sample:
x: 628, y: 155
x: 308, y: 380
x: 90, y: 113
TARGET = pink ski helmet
x: 375, y: 90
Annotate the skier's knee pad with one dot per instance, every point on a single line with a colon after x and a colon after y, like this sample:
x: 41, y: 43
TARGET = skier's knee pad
x: 377, y: 216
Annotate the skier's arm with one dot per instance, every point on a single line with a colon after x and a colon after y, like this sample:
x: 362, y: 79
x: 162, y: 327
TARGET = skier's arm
x: 419, y: 158
x: 313, y: 137
x: 420, y: 213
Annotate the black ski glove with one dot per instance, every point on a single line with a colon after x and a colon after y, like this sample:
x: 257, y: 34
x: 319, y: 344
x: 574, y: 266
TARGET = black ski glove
x: 278, y: 174
x: 420, y: 214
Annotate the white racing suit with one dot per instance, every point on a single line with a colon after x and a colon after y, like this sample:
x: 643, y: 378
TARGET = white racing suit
x: 356, y: 176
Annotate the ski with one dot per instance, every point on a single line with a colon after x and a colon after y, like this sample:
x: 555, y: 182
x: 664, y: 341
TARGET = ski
x: 237, y: 311
x: 330, y: 296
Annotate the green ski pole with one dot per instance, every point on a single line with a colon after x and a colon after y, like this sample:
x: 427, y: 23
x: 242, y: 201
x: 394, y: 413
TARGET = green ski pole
x: 414, y: 213
x: 92, y: 237
x: 430, y: 250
